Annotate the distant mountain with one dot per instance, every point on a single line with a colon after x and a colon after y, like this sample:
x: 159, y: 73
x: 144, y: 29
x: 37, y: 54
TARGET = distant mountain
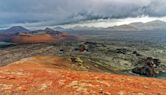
x: 47, y: 35
x: 46, y: 30
x: 59, y: 28
x: 123, y: 28
x: 51, y: 31
x: 153, y: 25
x: 15, y: 29
x: 20, y: 35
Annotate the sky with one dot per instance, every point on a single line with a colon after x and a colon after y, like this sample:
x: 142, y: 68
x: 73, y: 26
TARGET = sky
x: 71, y: 13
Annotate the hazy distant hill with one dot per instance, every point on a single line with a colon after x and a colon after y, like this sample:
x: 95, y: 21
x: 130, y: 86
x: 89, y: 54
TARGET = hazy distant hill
x: 153, y: 25
x: 46, y: 30
x: 59, y: 28
x: 123, y: 28
x: 15, y: 29
x: 138, y: 26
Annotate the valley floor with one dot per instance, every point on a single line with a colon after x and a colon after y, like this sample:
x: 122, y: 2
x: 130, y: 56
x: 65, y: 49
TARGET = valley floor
x: 33, y: 76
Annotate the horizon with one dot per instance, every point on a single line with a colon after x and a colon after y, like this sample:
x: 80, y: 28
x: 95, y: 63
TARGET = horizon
x: 84, y: 24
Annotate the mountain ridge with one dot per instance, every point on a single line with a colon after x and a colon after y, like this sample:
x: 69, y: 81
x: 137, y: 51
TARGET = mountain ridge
x: 46, y: 35
x: 136, y: 26
x: 139, y: 26
x: 15, y: 29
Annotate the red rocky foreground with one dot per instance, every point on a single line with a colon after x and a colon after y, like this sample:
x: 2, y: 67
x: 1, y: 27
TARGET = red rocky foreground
x: 31, y: 76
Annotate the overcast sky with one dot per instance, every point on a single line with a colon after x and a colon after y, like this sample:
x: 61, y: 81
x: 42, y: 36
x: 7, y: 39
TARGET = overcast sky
x: 59, y: 12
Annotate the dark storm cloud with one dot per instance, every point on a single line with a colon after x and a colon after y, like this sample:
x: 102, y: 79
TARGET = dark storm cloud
x: 53, y: 12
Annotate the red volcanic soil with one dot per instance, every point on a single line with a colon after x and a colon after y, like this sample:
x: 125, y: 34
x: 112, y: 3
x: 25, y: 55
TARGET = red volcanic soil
x: 41, y: 38
x: 32, y: 76
x: 28, y: 38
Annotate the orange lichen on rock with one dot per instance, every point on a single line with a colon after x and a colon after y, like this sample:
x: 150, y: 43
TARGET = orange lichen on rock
x: 32, y: 76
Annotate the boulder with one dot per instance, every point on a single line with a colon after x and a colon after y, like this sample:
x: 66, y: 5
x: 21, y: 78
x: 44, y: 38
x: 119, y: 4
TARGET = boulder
x: 136, y: 53
x: 146, y: 71
x: 149, y: 68
x: 82, y: 48
x: 122, y: 50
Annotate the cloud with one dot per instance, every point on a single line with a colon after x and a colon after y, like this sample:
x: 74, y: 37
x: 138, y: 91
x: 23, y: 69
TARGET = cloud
x: 105, y: 23
x: 58, y: 12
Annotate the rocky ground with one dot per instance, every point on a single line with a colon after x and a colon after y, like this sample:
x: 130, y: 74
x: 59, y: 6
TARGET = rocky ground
x: 113, y: 64
x: 51, y: 75
x: 98, y: 56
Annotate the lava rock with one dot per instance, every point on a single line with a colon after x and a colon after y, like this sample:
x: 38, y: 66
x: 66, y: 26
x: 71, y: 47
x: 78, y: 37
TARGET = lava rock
x: 82, y: 48
x: 122, y: 51
x: 146, y: 71
x: 149, y: 67
x: 136, y: 53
